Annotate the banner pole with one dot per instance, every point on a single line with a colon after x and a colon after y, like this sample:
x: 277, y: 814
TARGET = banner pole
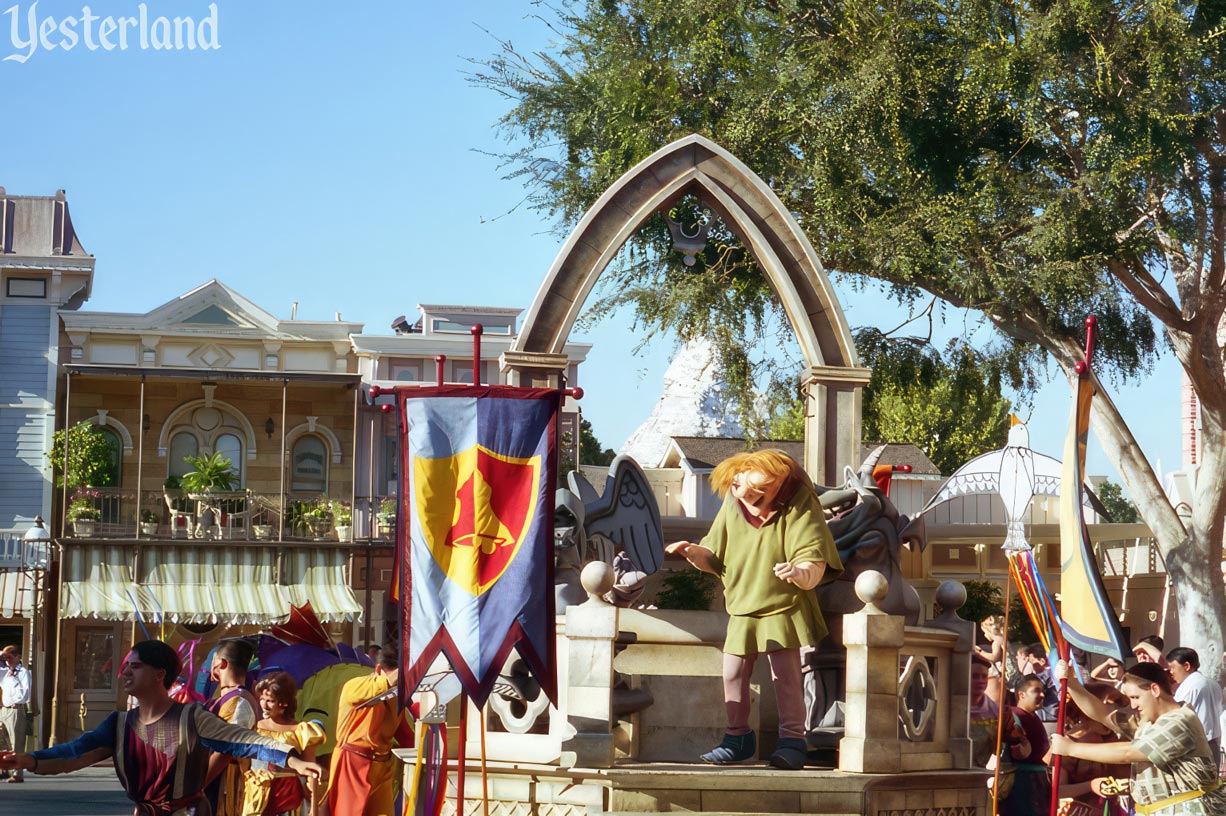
x: 461, y: 755
x: 1001, y: 707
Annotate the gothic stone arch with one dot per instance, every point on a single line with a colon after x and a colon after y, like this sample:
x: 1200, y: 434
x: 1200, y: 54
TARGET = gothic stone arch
x: 697, y: 166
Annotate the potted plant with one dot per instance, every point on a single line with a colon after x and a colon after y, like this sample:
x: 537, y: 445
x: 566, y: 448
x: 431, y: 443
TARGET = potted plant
x: 387, y: 516
x: 318, y: 516
x: 209, y: 474
x: 262, y: 532
x: 342, y: 519
x: 148, y: 523
x: 83, y: 512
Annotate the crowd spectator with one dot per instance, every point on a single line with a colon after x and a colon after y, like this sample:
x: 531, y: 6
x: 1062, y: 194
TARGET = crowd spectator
x: 1198, y: 693
x: 1149, y: 649
x: 15, y: 691
x: 1031, y: 792
x: 1110, y: 671
x: 1032, y: 661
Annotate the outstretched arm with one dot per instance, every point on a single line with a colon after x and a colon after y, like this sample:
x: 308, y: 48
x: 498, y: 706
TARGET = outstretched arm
x: 699, y: 556
x: 10, y: 761
x: 1093, y: 707
x: 805, y: 575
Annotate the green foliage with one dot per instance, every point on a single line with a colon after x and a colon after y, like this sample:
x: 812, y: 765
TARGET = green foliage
x: 983, y: 598
x: 590, y: 450
x: 91, y: 457
x: 950, y: 406
x: 1119, y: 507
x: 387, y: 507
x: 342, y: 513
x: 688, y: 589
x: 149, y: 517
x: 208, y: 474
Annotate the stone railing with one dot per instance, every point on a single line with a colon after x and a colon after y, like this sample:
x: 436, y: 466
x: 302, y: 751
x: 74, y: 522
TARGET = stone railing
x: 647, y: 687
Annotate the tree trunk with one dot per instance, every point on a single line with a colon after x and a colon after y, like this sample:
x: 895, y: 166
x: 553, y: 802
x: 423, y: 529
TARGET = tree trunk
x: 1197, y: 589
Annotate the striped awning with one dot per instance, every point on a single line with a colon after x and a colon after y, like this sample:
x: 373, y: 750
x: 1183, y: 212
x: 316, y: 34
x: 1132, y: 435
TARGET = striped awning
x: 205, y: 583
x: 17, y: 593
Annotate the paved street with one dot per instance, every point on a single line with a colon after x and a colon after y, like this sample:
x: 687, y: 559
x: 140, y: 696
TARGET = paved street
x: 91, y: 792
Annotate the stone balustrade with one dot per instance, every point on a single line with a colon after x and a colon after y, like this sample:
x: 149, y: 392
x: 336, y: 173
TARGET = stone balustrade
x: 645, y: 686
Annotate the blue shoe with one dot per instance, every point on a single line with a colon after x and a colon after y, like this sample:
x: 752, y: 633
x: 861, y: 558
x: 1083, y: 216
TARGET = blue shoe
x: 790, y: 754
x: 732, y: 749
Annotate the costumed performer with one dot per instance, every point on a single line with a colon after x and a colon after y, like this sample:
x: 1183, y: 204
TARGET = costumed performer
x: 161, y: 748
x: 1172, y: 765
x: 236, y: 705
x: 361, y: 781
x: 270, y: 790
x: 770, y: 547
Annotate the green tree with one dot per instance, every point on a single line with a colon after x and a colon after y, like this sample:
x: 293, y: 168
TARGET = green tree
x: 1028, y: 162
x: 92, y: 457
x: 983, y: 598
x: 1121, y: 510
x: 950, y: 407
x: 591, y: 452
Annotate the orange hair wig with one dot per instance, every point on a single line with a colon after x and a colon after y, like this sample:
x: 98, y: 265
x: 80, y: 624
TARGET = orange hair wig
x: 775, y: 465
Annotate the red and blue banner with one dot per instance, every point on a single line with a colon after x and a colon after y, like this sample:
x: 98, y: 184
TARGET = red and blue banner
x: 475, y: 533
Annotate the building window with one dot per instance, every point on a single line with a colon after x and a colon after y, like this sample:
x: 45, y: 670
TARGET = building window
x: 27, y: 288
x: 95, y: 668
x: 407, y: 373
x: 452, y: 326
x: 462, y: 373
x: 114, y: 473
x: 182, y: 445
x: 231, y: 447
x: 310, y: 465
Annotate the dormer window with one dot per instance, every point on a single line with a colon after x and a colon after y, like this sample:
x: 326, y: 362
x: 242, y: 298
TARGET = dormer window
x: 452, y: 327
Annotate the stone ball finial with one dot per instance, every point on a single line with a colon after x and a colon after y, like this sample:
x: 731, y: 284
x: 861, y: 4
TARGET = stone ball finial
x: 597, y: 578
x: 872, y: 587
x: 951, y: 595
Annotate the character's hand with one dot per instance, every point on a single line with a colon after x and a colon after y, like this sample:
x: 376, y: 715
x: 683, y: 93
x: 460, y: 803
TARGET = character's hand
x: 681, y: 548
x: 13, y: 761
x: 1062, y: 745
x: 1108, y: 786
x: 311, y: 770
x: 785, y: 571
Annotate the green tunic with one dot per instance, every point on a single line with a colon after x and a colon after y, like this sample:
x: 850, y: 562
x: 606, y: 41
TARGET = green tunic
x: 766, y: 614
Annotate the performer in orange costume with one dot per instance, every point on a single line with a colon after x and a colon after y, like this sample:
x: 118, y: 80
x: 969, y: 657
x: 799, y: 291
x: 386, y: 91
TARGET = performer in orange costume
x: 362, y: 779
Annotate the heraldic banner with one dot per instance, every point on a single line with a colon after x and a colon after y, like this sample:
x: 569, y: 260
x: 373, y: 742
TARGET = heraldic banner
x: 477, y: 484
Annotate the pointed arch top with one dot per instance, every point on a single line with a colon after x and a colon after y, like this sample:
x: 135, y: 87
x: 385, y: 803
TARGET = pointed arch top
x: 694, y: 165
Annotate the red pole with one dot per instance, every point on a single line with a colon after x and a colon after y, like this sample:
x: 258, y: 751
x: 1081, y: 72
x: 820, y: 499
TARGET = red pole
x: 1055, y: 765
x: 475, y: 331
x: 461, y: 754
x: 438, y: 367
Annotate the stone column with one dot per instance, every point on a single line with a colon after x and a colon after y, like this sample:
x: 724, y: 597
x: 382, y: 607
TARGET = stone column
x: 832, y: 421
x: 533, y: 369
x: 591, y: 632
x: 951, y: 595
x: 870, y: 743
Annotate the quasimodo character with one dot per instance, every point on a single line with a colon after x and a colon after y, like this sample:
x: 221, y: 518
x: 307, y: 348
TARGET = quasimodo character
x: 769, y: 546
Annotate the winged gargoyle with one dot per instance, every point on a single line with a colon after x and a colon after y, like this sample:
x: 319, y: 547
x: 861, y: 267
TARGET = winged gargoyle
x: 620, y: 526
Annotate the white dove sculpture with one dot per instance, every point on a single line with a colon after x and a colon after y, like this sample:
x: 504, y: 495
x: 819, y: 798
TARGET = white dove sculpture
x: 1015, y: 473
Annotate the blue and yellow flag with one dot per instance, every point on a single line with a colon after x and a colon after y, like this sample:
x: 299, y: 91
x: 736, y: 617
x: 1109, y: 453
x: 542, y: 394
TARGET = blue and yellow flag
x: 476, y: 532
x: 1086, y: 615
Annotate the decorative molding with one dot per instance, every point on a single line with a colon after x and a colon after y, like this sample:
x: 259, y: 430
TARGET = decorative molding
x: 103, y: 420
x: 314, y: 426
x: 180, y: 419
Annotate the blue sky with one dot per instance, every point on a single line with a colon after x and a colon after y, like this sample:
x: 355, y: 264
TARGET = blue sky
x: 334, y: 155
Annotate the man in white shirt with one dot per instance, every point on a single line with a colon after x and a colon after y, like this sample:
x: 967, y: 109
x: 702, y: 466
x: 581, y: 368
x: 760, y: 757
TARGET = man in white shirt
x: 1198, y: 693
x: 14, y: 695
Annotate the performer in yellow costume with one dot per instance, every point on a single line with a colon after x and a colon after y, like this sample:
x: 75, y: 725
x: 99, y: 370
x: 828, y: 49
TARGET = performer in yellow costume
x: 270, y: 790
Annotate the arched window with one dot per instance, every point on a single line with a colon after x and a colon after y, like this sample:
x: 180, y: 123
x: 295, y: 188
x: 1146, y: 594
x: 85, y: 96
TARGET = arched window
x: 309, y: 463
x: 115, y: 471
x: 229, y: 446
x: 182, y: 445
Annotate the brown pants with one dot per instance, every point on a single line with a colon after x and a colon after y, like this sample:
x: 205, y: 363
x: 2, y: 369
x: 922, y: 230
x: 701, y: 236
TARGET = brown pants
x: 789, y: 693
